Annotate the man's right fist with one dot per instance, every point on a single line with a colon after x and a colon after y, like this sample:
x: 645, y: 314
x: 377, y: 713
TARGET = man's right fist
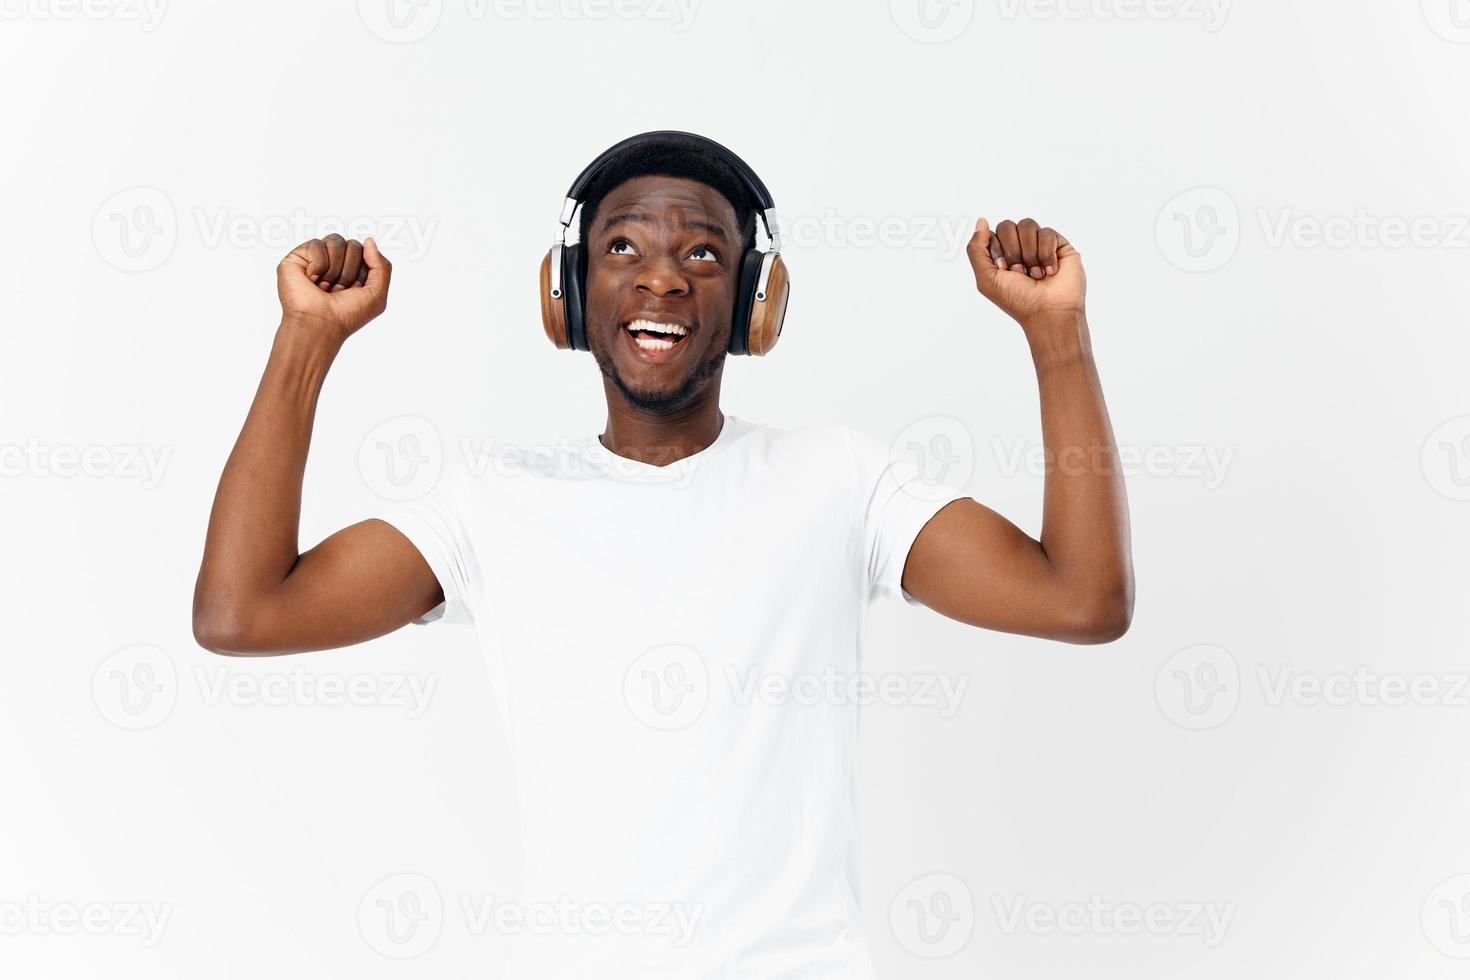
x: 339, y: 282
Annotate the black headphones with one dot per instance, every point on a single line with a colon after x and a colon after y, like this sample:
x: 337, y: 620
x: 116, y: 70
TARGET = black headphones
x: 760, y: 298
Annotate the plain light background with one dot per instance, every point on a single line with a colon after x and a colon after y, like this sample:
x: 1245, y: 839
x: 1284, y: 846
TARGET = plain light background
x: 1271, y: 203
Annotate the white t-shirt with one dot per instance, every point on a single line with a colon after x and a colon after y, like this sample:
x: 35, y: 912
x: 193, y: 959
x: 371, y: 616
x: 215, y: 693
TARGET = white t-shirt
x: 671, y: 649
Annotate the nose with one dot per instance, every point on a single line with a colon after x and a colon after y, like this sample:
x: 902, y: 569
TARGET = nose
x: 661, y: 276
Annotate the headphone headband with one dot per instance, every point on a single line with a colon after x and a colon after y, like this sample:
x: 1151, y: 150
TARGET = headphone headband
x: 753, y: 183
x: 747, y: 175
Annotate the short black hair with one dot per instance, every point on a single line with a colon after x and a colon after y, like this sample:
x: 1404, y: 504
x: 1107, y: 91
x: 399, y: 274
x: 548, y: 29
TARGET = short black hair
x: 672, y: 156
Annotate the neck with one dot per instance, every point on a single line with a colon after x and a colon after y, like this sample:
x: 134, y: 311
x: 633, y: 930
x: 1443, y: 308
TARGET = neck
x: 665, y: 437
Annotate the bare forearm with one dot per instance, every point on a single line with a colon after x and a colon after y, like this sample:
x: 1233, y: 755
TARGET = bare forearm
x: 1084, y: 533
x: 252, y: 541
x: 973, y: 565
x: 257, y: 594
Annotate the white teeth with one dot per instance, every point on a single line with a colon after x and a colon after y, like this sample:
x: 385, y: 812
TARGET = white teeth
x: 651, y: 327
x: 652, y: 343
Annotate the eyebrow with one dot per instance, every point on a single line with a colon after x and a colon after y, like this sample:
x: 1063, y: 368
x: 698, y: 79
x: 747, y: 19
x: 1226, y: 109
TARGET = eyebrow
x: 616, y: 219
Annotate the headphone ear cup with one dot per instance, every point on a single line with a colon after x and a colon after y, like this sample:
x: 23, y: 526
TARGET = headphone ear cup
x: 553, y: 311
x: 768, y: 315
x: 573, y: 286
x: 750, y: 273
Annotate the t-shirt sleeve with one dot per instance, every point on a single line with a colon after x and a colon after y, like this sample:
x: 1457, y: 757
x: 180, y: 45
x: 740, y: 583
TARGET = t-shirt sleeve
x: 896, y: 499
x: 436, y: 524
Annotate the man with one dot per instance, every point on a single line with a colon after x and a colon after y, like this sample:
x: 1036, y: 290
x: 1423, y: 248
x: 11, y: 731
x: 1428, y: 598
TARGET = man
x: 635, y: 598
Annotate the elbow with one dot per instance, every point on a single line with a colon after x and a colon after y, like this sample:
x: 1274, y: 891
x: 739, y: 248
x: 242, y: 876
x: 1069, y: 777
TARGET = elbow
x: 223, y: 631
x: 1102, y: 617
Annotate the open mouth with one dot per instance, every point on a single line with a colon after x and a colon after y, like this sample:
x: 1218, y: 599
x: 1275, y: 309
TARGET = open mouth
x: 655, y: 338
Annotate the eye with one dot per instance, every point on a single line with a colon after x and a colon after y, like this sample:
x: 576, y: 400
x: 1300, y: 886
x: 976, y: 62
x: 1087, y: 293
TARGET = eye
x: 621, y: 243
x: 706, y: 251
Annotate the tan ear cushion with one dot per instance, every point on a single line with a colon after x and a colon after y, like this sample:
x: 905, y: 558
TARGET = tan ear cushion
x: 553, y: 311
x: 766, y: 316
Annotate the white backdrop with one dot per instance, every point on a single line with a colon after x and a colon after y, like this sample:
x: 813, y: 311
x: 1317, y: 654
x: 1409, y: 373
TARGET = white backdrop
x: 1265, y: 777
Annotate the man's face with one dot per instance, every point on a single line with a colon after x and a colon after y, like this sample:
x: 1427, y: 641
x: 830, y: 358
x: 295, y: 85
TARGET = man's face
x: 662, y: 266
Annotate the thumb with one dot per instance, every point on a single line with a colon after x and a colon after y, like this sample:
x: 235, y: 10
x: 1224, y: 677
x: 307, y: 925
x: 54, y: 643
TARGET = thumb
x: 981, y: 261
x: 380, y: 270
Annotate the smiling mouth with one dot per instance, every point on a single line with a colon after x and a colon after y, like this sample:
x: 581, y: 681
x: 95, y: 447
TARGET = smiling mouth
x: 655, y: 337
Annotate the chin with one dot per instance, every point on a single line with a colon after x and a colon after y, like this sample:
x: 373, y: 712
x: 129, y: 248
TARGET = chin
x: 656, y: 388
x: 658, y: 396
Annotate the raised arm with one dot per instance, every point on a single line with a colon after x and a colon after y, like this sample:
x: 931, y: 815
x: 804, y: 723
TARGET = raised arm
x: 256, y: 594
x: 969, y: 563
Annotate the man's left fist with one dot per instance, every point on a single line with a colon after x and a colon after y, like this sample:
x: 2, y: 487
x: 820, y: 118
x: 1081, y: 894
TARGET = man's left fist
x: 1030, y: 272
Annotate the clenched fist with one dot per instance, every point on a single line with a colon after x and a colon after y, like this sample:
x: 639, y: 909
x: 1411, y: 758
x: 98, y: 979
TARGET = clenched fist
x: 334, y: 282
x: 1030, y: 272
